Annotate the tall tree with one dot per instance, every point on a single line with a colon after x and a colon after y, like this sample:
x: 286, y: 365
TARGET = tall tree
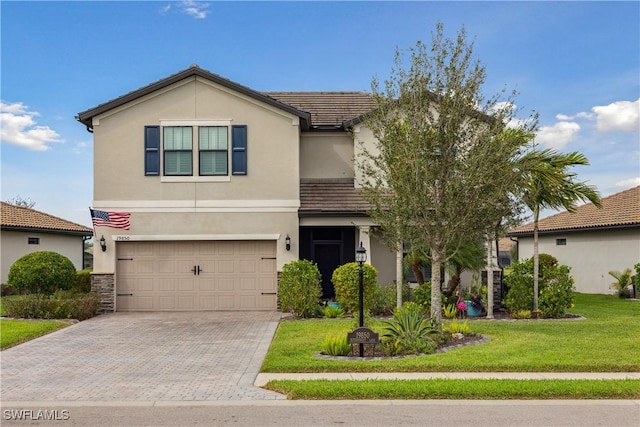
x: 439, y: 170
x: 547, y: 183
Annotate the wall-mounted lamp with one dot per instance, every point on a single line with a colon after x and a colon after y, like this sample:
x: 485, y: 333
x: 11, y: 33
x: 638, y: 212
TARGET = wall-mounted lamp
x: 103, y: 244
x: 287, y: 242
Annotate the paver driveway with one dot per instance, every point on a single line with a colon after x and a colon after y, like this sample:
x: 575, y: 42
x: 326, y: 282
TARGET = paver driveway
x: 194, y: 356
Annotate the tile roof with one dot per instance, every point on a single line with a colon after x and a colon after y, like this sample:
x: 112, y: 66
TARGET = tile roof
x: 331, y: 197
x: 22, y: 218
x: 331, y: 109
x: 618, y: 210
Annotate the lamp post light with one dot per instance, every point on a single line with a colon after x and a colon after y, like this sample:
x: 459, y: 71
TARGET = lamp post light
x: 361, y: 258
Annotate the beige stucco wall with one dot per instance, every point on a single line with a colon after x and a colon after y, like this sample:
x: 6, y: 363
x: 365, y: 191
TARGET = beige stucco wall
x: 13, y: 245
x: 384, y: 260
x: 261, y: 205
x: 326, y: 155
x: 273, y: 147
x: 591, y: 255
x: 365, y: 142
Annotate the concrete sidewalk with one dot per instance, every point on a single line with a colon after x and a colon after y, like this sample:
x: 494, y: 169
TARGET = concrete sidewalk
x: 264, y: 378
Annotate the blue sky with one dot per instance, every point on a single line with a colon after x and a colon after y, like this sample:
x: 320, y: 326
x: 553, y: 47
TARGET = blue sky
x: 575, y: 63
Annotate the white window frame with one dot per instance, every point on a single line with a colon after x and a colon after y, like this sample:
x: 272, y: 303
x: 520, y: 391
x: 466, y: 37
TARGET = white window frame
x: 195, y: 124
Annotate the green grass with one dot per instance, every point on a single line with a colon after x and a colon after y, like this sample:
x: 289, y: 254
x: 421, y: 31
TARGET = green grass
x: 16, y: 331
x: 607, y: 341
x: 457, y: 389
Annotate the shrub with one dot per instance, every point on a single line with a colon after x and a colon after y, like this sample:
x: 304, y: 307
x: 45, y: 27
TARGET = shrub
x: 386, y: 298
x: 457, y: 328
x: 333, y: 312
x: 346, y: 281
x: 555, y: 288
x: 422, y: 296
x: 299, y: 288
x: 42, y: 272
x: 521, y: 314
x: 556, y: 296
x: 336, y: 345
x: 449, y: 311
x: 546, y: 261
x: 82, y: 284
x: 622, y: 283
x: 61, y: 305
x: 409, y: 332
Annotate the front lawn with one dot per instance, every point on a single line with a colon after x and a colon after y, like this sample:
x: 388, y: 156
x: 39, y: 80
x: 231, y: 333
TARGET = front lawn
x: 16, y: 331
x: 607, y: 341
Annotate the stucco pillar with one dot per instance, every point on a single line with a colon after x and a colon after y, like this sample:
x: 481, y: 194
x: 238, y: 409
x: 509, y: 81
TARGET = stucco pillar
x: 365, y: 238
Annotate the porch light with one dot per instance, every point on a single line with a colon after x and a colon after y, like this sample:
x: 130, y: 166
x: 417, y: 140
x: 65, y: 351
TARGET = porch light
x: 103, y: 244
x: 287, y: 242
x: 361, y: 255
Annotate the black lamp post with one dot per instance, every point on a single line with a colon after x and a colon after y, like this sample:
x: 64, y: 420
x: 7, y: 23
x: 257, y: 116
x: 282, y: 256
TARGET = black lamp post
x: 361, y: 258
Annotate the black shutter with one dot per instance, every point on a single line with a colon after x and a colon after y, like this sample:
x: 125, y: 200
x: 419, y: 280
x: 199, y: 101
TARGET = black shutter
x: 152, y: 150
x: 239, y: 150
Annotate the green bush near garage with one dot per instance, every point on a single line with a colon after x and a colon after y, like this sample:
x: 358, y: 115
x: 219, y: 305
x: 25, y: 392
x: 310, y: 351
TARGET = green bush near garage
x: 42, y: 272
x: 299, y: 288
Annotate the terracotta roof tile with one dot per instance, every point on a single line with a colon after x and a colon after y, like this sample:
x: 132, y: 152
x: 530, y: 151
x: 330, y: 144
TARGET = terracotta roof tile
x: 327, y: 108
x: 330, y: 196
x: 618, y: 210
x: 19, y: 217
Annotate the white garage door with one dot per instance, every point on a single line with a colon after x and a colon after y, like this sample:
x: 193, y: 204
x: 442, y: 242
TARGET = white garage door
x: 196, y: 275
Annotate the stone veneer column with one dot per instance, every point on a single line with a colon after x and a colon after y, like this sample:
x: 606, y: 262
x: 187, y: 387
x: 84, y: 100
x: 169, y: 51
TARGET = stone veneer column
x: 104, y: 285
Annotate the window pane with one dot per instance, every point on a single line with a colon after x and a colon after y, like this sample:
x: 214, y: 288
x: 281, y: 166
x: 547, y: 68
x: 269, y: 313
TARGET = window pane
x: 178, y: 138
x: 213, y: 163
x: 213, y: 138
x: 177, y: 163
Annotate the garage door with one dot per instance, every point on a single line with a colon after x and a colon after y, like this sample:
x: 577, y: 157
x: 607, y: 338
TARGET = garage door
x: 198, y: 275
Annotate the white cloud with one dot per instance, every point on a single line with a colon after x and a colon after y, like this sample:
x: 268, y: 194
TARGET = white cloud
x: 629, y: 183
x: 558, y: 135
x: 195, y: 8
x: 164, y: 9
x: 618, y: 116
x: 18, y: 126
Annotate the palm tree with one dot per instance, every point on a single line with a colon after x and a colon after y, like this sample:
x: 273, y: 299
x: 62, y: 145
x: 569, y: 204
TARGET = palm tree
x: 546, y: 183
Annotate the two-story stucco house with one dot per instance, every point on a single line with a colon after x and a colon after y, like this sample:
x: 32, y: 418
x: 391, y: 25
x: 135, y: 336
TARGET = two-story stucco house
x: 225, y: 185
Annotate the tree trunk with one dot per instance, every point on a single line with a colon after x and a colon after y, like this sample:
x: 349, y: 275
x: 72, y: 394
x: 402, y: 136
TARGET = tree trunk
x: 436, y: 298
x: 536, y: 264
x: 399, y: 278
x: 417, y: 271
x: 489, y: 277
x: 452, y: 284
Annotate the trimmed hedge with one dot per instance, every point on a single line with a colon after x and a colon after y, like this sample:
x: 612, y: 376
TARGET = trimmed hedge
x: 299, y: 288
x: 60, y: 305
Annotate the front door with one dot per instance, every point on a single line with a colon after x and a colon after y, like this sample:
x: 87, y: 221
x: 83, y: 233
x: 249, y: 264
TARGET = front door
x: 329, y: 248
x: 327, y: 256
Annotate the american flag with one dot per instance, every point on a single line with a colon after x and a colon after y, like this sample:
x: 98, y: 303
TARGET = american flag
x: 110, y: 219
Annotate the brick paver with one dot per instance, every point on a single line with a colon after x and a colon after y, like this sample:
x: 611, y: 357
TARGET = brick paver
x: 199, y: 356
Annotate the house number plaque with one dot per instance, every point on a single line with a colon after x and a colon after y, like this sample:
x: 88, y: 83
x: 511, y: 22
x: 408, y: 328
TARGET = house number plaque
x: 363, y: 336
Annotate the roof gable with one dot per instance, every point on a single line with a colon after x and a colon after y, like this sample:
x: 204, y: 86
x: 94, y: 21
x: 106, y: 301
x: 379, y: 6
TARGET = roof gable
x: 87, y: 116
x: 618, y: 210
x: 23, y: 218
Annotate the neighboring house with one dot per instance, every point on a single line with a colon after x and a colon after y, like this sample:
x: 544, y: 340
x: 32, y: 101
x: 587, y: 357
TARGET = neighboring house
x: 224, y: 185
x: 25, y: 230
x: 591, y: 241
